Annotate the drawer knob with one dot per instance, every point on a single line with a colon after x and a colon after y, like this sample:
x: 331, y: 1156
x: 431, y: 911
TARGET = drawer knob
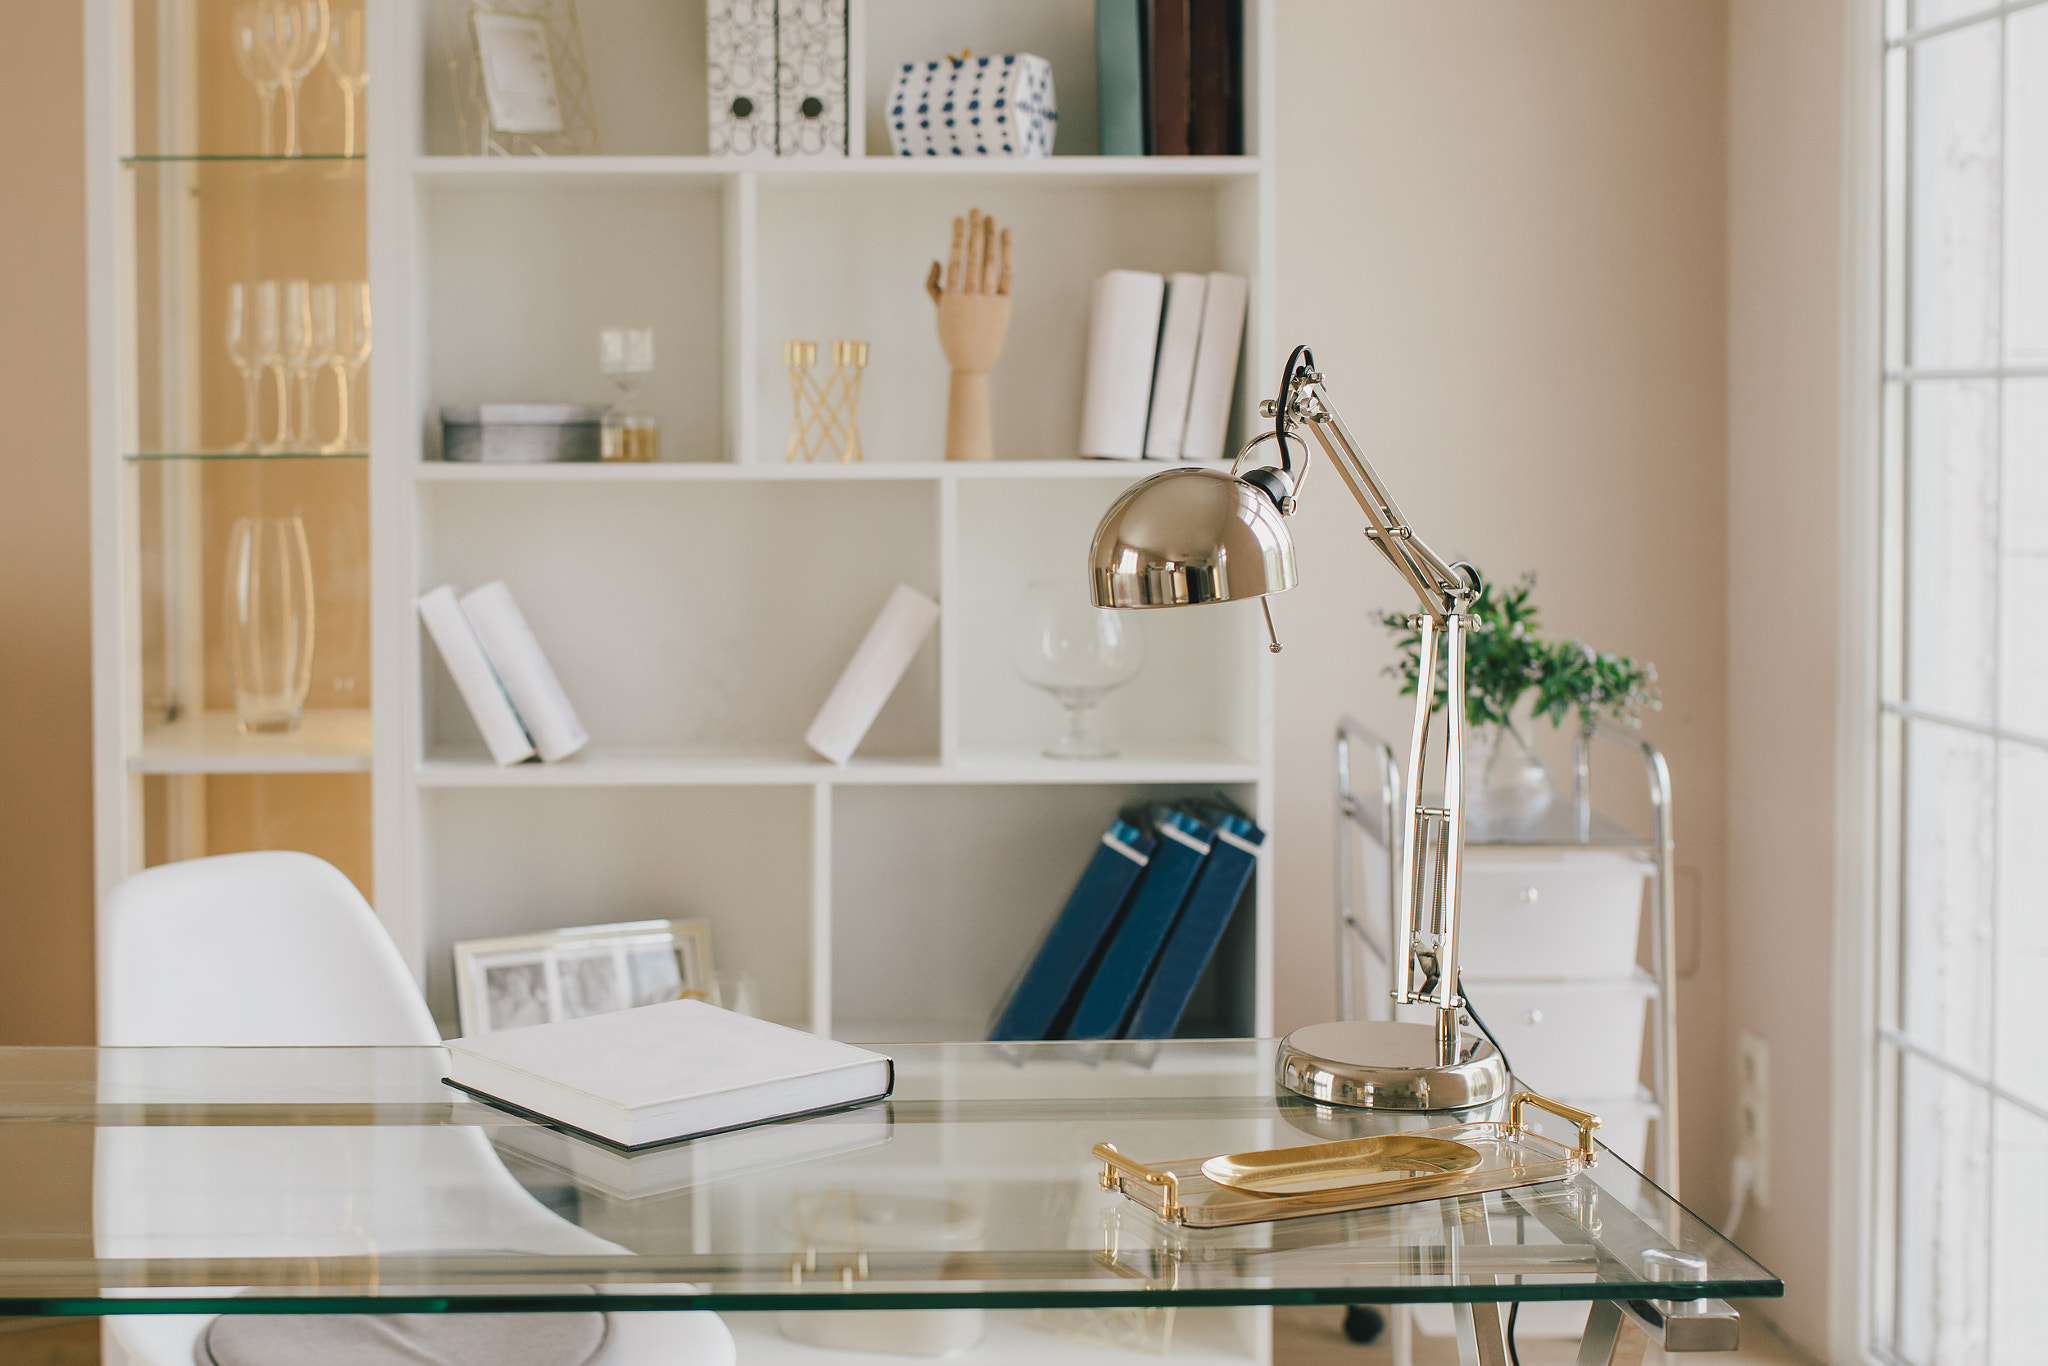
x: 1533, y: 1017
x: 1528, y: 896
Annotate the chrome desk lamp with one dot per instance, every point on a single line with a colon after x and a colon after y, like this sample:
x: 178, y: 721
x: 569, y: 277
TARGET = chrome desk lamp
x: 1191, y: 536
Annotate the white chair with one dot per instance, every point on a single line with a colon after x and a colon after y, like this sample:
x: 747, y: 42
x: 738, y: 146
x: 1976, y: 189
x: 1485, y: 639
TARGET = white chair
x: 278, y: 949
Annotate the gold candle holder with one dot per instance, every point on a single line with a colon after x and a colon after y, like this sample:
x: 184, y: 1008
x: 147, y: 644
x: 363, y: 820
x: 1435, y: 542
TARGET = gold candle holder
x: 824, y: 418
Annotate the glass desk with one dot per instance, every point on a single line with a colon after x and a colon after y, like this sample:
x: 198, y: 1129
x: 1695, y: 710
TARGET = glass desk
x: 340, y: 1180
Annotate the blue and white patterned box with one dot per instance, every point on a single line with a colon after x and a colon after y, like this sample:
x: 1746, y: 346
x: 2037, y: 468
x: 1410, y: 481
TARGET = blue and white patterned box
x: 980, y: 107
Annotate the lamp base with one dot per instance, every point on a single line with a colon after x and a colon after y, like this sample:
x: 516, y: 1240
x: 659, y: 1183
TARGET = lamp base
x: 1388, y: 1065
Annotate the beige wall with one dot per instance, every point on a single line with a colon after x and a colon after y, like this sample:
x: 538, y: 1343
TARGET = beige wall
x: 1502, y: 229
x: 46, y: 895
x: 1785, y: 260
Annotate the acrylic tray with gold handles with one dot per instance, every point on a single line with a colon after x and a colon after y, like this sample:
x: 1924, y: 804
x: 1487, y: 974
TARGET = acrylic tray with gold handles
x: 1509, y: 1154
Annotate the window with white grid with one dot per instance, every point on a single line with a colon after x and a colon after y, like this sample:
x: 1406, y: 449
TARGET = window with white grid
x: 1962, y: 1034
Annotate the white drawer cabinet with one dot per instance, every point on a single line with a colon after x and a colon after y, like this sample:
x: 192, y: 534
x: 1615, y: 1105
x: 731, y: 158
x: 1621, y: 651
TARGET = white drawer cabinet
x: 1577, y: 1038
x: 1566, y: 913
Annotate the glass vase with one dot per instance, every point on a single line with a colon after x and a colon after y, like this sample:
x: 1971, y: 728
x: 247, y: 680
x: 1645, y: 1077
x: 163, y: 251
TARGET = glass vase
x: 1507, y: 786
x: 269, y: 620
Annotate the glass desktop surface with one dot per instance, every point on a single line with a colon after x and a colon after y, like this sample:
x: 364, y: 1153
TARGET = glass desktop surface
x: 344, y: 1180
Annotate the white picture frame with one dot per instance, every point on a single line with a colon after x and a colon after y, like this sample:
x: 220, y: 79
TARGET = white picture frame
x: 518, y: 73
x: 529, y: 979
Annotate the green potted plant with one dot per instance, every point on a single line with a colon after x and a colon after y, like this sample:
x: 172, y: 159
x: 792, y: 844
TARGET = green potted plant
x: 1507, y: 659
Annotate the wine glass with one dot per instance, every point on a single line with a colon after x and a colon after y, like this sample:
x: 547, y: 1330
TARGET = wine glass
x: 252, y: 35
x: 269, y: 351
x: 325, y: 352
x: 269, y: 617
x: 300, y: 30
x: 351, y: 351
x: 296, y: 327
x: 1077, y: 652
x: 243, y: 327
x: 349, y: 63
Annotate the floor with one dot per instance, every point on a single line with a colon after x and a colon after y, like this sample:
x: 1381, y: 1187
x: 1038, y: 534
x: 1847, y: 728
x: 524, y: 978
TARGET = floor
x: 1315, y: 1337
x: 1301, y: 1337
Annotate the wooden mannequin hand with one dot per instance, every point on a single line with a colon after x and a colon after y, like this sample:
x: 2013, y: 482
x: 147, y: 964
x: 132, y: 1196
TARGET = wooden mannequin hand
x: 974, y: 319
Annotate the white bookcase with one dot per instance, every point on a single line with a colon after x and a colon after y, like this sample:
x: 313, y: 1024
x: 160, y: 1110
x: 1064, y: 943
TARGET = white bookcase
x: 698, y: 609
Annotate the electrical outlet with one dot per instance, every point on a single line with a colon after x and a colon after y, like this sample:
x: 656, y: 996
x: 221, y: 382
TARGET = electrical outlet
x: 1753, y: 1114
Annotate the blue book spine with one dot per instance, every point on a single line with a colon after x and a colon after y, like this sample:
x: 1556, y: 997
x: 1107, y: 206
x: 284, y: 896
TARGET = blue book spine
x: 1049, y: 981
x: 1233, y: 854
x: 1113, y: 990
x: 1120, y: 76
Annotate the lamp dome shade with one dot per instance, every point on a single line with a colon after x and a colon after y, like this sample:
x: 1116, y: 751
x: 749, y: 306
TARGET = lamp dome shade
x: 1189, y: 536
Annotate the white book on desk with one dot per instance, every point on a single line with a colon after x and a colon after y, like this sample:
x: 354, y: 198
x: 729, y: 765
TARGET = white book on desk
x: 680, y: 1069
x: 524, y: 669
x: 1123, y: 342
x: 872, y: 674
x: 1173, y: 374
x: 474, y: 677
x: 1215, y: 375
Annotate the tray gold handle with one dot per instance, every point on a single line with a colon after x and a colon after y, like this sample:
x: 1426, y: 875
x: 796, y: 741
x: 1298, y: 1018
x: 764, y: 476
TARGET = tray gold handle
x: 1114, y: 1162
x: 1586, y: 1121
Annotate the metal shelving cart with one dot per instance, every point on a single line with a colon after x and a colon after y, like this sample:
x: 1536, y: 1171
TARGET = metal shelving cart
x: 1369, y: 815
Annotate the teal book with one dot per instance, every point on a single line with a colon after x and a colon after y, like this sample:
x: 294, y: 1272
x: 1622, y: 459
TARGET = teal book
x: 1234, y: 852
x: 1047, y: 985
x: 1120, y: 76
x: 1112, y: 992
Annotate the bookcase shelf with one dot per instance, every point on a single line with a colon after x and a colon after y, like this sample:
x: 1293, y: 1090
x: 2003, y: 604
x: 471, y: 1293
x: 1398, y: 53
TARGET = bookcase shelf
x: 619, y: 766
x: 329, y: 740
x: 457, y: 172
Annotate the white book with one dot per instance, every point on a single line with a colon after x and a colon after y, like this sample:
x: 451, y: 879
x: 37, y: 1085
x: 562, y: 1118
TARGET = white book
x: 474, y: 677
x: 1180, y: 330
x: 635, y: 1176
x: 1123, y: 340
x: 680, y: 1069
x: 1215, y: 377
x: 524, y: 669
x: 872, y: 674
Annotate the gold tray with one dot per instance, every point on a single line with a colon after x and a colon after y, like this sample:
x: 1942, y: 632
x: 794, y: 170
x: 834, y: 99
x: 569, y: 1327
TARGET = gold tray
x: 1508, y: 1154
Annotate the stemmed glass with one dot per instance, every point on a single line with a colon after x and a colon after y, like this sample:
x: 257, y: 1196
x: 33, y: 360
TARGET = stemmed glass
x: 324, y: 354
x: 297, y: 324
x: 1077, y: 652
x: 245, y: 326
x: 269, y: 349
x: 351, y: 351
x: 300, y: 35
x: 255, y: 54
x: 349, y: 62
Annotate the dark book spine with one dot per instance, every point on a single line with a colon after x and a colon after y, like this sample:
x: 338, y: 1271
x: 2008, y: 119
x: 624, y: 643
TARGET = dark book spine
x: 1208, y: 78
x: 1169, y: 78
x: 1233, y: 118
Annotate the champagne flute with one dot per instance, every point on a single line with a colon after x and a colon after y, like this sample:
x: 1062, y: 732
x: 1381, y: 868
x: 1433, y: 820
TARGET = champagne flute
x: 270, y: 356
x: 243, y: 350
x: 351, y: 351
x: 301, y: 28
x: 326, y: 355
x: 252, y: 36
x: 349, y: 63
x: 297, y: 328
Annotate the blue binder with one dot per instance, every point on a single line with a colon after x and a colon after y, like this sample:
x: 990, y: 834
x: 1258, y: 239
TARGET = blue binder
x: 1232, y: 856
x: 1049, y: 982
x: 1113, y: 990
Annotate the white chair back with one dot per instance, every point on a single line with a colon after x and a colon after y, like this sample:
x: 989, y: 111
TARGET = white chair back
x: 268, y: 949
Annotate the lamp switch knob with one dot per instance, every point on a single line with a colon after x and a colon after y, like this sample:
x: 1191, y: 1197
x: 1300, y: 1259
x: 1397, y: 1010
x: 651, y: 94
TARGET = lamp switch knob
x: 1533, y: 1017
x: 1529, y: 896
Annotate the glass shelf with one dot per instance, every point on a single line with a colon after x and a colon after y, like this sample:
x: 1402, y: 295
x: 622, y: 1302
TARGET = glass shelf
x: 247, y: 455
x: 156, y: 160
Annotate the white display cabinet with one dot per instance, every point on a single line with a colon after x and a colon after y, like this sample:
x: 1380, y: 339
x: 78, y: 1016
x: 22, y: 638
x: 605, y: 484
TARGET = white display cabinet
x: 699, y: 608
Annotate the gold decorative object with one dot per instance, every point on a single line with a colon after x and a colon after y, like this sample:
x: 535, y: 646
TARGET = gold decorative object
x: 577, y: 131
x: 824, y: 418
x: 974, y: 318
x: 1509, y: 1154
x: 1343, y: 1165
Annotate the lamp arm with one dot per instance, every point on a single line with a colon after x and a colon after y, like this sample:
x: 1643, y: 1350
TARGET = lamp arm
x: 1442, y: 588
x: 1433, y: 838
